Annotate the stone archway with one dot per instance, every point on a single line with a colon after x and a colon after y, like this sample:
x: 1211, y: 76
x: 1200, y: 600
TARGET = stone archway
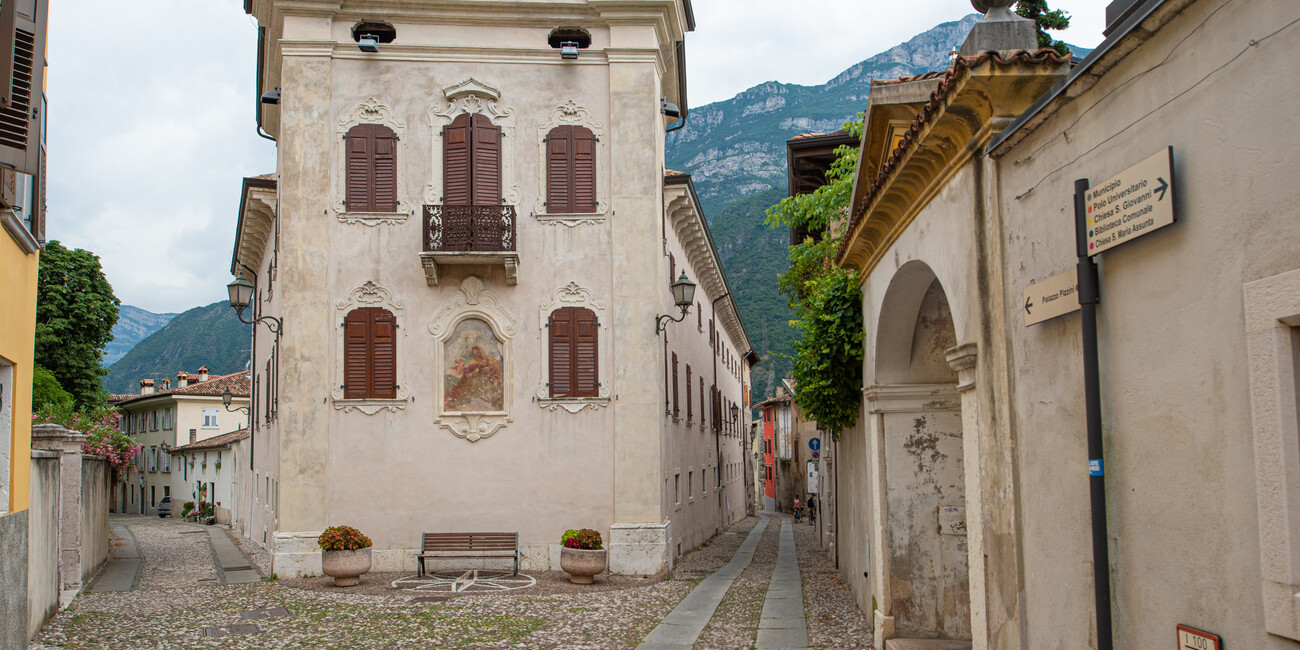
x: 923, y: 588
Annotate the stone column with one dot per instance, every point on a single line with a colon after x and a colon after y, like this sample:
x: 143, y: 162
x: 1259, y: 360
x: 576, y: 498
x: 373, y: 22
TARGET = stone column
x: 52, y: 437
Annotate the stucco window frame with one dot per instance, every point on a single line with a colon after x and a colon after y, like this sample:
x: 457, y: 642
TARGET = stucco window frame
x: 371, y: 111
x: 575, y: 295
x: 371, y: 294
x: 1272, y: 307
x: 572, y: 114
x: 473, y: 301
x: 469, y: 97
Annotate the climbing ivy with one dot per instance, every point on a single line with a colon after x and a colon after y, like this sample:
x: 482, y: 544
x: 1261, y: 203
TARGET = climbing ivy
x: 827, y: 359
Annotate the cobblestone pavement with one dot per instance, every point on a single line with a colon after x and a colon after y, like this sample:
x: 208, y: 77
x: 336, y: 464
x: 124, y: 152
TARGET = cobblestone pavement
x: 178, y: 597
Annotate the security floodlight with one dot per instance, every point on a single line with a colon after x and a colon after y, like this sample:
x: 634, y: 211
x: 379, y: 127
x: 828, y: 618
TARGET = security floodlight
x: 569, y: 50
x: 669, y: 109
x: 368, y: 43
x: 271, y: 96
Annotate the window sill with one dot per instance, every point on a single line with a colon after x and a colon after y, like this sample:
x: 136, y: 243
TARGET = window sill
x: 369, y: 406
x: 572, y: 404
x: 571, y: 220
x: 372, y: 218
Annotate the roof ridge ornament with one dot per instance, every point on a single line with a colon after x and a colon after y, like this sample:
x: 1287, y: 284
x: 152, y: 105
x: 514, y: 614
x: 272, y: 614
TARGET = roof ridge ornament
x: 999, y: 30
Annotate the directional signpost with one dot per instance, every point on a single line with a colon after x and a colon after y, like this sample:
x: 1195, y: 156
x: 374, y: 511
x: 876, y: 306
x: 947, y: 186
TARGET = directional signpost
x: 1055, y: 296
x: 1132, y: 203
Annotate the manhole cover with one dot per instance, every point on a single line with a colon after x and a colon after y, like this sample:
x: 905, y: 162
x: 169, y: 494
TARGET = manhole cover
x: 231, y: 630
x: 236, y: 568
x: 467, y: 582
x: 261, y: 614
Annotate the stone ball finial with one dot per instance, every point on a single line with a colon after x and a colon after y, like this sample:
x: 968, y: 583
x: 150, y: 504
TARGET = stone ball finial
x: 984, y: 6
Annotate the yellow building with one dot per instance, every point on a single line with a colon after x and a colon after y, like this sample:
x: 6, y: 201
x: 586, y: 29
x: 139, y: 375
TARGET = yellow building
x: 22, y: 200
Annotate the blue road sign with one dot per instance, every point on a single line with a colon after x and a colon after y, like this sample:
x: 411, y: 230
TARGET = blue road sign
x: 814, y: 443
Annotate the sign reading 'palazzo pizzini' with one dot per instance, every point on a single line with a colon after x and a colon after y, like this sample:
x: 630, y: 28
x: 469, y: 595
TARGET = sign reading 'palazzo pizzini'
x: 1132, y: 203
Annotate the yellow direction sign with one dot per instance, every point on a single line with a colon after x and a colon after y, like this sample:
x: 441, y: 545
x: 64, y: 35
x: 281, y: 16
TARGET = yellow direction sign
x: 1055, y: 296
x: 1132, y: 203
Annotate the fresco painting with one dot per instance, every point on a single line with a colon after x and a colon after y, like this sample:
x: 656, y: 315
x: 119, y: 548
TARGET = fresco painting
x: 472, y: 380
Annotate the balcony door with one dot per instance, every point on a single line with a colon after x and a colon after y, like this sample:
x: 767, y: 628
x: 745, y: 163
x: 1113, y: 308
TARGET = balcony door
x: 472, y: 162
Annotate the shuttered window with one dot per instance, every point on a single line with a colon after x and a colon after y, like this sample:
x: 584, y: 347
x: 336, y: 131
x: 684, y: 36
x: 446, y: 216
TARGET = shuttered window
x: 703, y: 408
x: 370, y: 354
x: 570, y: 170
x: 676, y: 410
x: 471, y: 158
x: 690, y: 412
x: 573, y: 351
x: 22, y: 67
x: 371, y: 169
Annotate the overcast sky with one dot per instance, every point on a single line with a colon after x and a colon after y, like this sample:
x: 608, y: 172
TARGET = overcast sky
x: 151, y: 114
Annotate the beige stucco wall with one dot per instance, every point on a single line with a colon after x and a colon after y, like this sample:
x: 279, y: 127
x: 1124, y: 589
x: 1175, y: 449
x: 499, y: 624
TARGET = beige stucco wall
x: 398, y: 469
x: 1179, y: 458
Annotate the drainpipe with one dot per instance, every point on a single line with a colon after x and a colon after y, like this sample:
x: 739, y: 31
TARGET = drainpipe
x: 1089, y: 298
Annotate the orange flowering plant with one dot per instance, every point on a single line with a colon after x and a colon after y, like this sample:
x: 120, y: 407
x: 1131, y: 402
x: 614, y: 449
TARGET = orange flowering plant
x: 343, y: 538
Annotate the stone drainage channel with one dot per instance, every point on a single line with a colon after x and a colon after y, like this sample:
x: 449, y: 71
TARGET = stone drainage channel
x: 782, y: 624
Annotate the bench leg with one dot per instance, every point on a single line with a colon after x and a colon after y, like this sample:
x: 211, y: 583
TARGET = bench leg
x: 419, y: 567
x: 516, y: 563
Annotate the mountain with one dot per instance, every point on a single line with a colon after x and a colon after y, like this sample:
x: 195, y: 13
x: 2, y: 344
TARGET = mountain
x: 735, y: 153
x: 209, y: 336
x: 133, y: 325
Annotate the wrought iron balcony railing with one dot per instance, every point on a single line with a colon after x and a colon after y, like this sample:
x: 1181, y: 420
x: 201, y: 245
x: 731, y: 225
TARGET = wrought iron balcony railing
x: 469, y: 234
x: 469, y: 228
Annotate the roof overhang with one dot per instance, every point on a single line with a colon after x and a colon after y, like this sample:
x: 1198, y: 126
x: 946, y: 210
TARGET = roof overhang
x: 809, y: 157
x: 972, y: 102
x: 682, y: 207
x: 257, y: 203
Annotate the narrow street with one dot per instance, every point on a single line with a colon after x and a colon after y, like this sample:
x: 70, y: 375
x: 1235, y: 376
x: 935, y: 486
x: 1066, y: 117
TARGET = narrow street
x: 190, y: 591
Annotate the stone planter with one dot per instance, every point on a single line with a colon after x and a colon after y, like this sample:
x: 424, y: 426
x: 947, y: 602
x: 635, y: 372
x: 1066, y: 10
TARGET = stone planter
x: 345, y: 567
x: 581, y: 564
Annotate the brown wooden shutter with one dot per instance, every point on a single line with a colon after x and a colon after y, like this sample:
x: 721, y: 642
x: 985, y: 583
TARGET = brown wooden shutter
x: 383, y: 355
x: 456, y: 162
x: 356, y: 355
x: 667, y: 386
x: 672, y: 269
x: 584, y: 171
x: 22, y: 67
x: 675, y: 403
x: 559, y: 156
x: 690, y: 412
x: 359, y: 141
x: 561, y: 345
x: 703, y: 408
x: 485, y: 166
x: 383, y: 180
x: 585, y: 353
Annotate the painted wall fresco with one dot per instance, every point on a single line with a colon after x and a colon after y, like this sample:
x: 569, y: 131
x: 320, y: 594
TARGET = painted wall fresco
x: 472, y: 380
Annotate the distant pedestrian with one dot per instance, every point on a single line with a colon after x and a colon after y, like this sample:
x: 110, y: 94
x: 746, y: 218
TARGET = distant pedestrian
x: 798, y: 509
x: 812, y: 509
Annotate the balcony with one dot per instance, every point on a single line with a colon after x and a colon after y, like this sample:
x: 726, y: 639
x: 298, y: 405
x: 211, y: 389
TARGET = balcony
x: 469, y: 234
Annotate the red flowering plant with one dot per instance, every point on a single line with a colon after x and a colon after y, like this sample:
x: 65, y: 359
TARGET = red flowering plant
x: 343, y: 538
x: 586, y: 539
x: 103, y: 436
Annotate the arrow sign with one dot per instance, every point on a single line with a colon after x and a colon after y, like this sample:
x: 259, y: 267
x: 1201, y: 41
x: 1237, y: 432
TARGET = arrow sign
x: 1055, y: 296
x: 1131, y: 203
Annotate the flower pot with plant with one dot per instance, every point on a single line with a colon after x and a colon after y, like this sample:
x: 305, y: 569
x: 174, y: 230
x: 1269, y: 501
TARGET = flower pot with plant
x: 582, y: 556
x: 345, y: 554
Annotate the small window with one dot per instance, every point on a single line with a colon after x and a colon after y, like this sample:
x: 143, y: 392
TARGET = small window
x: 370, y: 354
x: 677, y: 488
x: 371, y: 169
x: 574, y: 371
x: 570, y: 170
x: 690, y: 412
x: 209, y: 418
x: 690, y: 485
x: 676, y: 410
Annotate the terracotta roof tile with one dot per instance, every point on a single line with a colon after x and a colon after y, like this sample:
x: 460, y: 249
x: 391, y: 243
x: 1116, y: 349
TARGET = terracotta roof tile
x: 674, y: 172
x: 947, y: 82
x: 215, y: 442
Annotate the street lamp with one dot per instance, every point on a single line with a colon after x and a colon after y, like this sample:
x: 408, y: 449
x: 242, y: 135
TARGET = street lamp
x: 683, y: 296
x: 226, y: 398
x: 241, y: 293
x: 735, y: 412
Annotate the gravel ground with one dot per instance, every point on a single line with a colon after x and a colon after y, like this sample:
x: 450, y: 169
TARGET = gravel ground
x: 834, y: 620
x: 735, y: 623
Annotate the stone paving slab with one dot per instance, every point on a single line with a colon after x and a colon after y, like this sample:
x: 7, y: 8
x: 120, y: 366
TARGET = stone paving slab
x: 783, y: 624
x: 122, y: 571
x: 684, y: 624
x: 926, y: 644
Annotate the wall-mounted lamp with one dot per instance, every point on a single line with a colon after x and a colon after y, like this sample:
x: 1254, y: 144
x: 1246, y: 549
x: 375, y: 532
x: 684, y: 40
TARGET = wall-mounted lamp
x: 368, y: 43
x: 683, y: 296
x: 569, y: 50
x: 226, y: 398
x: 735, y: 412
x: 241, y: 293
x: 669, y: 109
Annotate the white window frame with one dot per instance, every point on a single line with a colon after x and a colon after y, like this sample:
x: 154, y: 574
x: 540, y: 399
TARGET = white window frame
x: 213, y: 412
x: 1272, y: 336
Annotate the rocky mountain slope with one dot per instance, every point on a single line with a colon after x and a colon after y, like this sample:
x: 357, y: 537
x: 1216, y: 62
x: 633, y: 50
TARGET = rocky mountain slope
x: 133, y: 325
x: 210, y: 335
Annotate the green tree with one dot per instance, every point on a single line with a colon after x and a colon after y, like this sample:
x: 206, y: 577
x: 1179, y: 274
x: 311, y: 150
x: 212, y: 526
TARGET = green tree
x: 1046, y: 18
x: 827, y: 359
x: 75, y: 314
x: 46, y: 391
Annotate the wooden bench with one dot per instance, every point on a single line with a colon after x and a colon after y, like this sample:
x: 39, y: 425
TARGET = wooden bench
x: 470, y: 545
